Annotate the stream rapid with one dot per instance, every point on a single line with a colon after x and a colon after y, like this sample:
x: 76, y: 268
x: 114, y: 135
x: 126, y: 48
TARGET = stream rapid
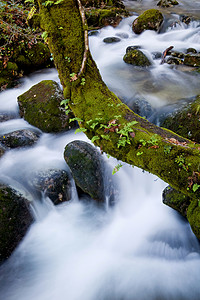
x: 137, y: 249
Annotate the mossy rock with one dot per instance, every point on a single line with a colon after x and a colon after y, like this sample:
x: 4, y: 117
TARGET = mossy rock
x: 7, y: 74
x: 193, y: 216
x: 2, y: 150
x: 137, y: 58
x: 100, y: 3
x: 55, y: 183
x: 186, y: 122
x: 176, y: 200
x: 167, y: 3
x: 97, y: 18
x: 15, y: 219
x: 192, y: 60
x: 150, y: 20
x: 37, y: 57
x: 86, y: 166
x: 19, y: 138
x: 40, y: 106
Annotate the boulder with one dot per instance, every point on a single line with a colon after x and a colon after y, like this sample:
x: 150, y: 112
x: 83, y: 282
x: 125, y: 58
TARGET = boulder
x: 192, y: 60
x: 55, y: 183
x: 150, y: 20
x: 15, y: 219
x: 186, y: 122
x: 19, y: 138
x: 167, y: 3
x: 176, y: 200
x: 40, y: 106
x: 85, y: 163
x: 136, y: 58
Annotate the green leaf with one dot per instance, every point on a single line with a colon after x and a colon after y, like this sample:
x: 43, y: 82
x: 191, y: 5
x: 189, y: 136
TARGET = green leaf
x: 106, y: 137
x: 95, y: 138
x: 94, y: 125
x: 67, y: 111
x: 116, y: 168
x: 75, y: 119
x: 82, y: 129
x: 65, y: 101
x: 195, y: 187
x: 139, y: 153
x: 58, y: 2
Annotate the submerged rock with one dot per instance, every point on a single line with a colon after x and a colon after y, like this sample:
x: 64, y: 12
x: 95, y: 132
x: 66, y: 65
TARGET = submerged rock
x: 176, y: 200
x: 40, y: 106
x: 15, y: 219
x: 136, y: 58
x: 186, y: 122
x: 110, y: 40
x: 167, y: 3
x: 55, y: 183
x: 19, y: 138
x: 86, y: 166
x: 150, y: 20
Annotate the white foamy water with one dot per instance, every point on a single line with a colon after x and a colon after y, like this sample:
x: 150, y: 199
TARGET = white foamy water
x: 139, y: 249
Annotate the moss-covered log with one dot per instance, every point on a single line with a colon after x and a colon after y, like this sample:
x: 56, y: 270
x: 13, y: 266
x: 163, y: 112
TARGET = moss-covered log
x: 110, y: 123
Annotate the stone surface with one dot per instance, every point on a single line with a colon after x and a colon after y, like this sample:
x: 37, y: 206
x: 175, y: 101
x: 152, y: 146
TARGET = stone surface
x: 19, y: 138
x: 15, y: 219
x: 136, y: 58
x: 150, y: 20
x: 40, y: 106
x: 86, y: 167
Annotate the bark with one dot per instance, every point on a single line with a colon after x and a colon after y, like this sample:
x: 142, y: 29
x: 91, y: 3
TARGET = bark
x: 118, y: 131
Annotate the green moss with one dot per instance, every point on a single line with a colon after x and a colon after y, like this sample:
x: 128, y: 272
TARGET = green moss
x: 136, y: 58
x: 193, y: 215
x: 149, y: 20
x: 40, y: 106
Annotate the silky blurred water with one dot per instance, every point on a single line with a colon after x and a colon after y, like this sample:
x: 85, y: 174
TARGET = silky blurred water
x: 138, y: 249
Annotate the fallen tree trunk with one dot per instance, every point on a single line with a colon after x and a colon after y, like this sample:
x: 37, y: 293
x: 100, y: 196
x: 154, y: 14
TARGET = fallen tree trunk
x: 109, y: 123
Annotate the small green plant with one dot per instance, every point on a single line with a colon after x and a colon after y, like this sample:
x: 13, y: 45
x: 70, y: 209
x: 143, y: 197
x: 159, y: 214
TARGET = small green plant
x: 68, y: 59
x: 45, y: 36
x: 48, y: 3
x: 139, y: 153
x: 75, y: 119
x: 58, y: 2
x: 82, y: 81
x: 81, y: 129
x: 167, y: 149
x: 116, y: 168
x: 195, y: 187
x: 180, y: 160
x: 95, y: 138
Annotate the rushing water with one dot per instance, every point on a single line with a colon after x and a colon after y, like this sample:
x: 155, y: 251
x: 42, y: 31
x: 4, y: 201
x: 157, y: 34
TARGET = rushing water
x: 138, y: 249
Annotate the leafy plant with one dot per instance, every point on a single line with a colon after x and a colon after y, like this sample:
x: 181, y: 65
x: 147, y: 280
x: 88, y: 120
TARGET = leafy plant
x: 82, y: 81
x: 167, y: 149
x: 68, y: 59
x: 195, y: 187
x: 45, y: 36
x: 95, y: 138
x: 81, y: 129
x: 116, y: 168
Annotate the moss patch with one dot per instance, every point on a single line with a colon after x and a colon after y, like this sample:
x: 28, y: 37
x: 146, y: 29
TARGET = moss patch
x: 150, y: 20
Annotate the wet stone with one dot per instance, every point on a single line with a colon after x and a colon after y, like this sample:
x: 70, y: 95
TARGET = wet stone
x: 19, y: 138
x: 129, y: 48
x: 110, y: 40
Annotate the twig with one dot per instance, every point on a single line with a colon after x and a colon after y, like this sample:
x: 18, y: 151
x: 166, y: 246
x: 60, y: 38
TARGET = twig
x: 165, y: 54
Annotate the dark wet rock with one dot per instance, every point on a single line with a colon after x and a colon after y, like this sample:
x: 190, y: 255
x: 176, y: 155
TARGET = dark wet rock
x: 167, y: 3
x: 2, y: 150
x: 177, y: 54
x: 110, y: 40
x: 55, y: 183
x: 15, y: 219
x: 130, y: 48
x: 40, y: 106
x: 185, y: 19
x: 136, y: 58
x: 122, y: 35
x: 93, y: 33
x: 174, y: 61
x: 142, y: 108
x: 176, y: 200
x: 192, y: 60
x: 6, y: 117
x: 150, y: 20
x: 191, y: 50
x: 19, y: 138
x: 85, y: 163
x: 156, y: 55
x: 186, y: 122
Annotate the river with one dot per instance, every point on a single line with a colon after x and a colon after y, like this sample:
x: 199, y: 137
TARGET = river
x: 139, y: 248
